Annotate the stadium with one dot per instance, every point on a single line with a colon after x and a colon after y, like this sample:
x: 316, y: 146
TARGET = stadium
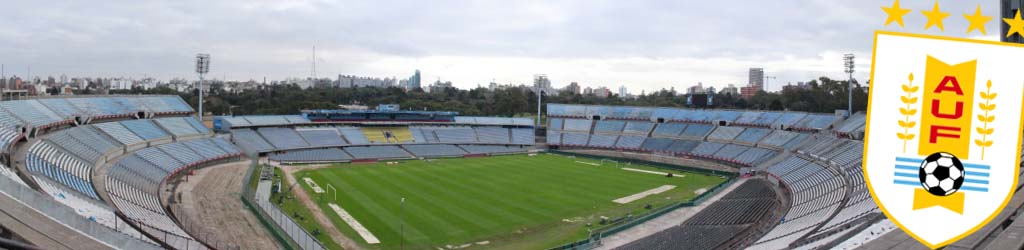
x: 141, y: 172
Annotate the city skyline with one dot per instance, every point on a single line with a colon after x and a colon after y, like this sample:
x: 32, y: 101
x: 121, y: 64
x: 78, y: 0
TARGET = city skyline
x: 647, y: 46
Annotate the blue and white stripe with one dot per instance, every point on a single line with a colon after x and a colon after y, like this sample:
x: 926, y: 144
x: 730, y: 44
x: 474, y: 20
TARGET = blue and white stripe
x: 975, y: 175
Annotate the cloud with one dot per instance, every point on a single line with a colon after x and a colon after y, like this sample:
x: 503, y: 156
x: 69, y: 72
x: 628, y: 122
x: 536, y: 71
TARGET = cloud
x: 641, y: 44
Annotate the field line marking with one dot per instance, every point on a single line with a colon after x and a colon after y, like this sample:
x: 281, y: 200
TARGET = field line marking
x: 365, y: 233
x: 643, y: 194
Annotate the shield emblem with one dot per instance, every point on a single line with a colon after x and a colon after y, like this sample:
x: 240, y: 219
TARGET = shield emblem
x: 943, y: 132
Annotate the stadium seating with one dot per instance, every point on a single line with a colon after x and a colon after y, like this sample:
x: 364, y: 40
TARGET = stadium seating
x: 282, y: 138
x: 523, y: 136
x: 776, y: 139
x: 455, y: 135
x: 120, y: 133
x: 707, y: 148
x: 696, y: 131
x: 492, y: 135
x: 669, y: 129
x: 491, y: 149
x: 321, y: 137
x: 609, y: 126
x: 602, y: 141
x: 683, y: 146
x: 353, y: 135
x: 377, y: 152
x: 145, y: 129
x: 250, y: 141
x: 751, y: 136
x: 553, y: 137
x: 555, y: 124
x: 579, y: 139
x: 311, y: 155
x: 45, y: 159
x: 179, y: 126
x: 656, y: 144
x: 725, y: 134
x: 730, y: 151
x: 714, y: 226
x: 629, y: 142
x: 638, y: 128
x: 33, y: 113
x: 577, y: 125
x: 434, y: 150
x: 133, y: 185
x: 853, y: 124
x: 387, y: 134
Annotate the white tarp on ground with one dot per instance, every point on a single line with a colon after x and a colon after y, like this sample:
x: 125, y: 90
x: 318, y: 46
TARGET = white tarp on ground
x: 643, y: 194
x: 312, y: 184
x: 365, y: 233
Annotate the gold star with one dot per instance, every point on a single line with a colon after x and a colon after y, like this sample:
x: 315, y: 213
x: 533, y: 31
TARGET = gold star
x: 977, y: 21
x: 1016, y: 25
x: 895, y: 13
x: 935, y: 17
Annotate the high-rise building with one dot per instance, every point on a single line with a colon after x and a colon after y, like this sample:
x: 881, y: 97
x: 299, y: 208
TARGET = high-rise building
x: 623, y: 93
x: 1008, y: 9
x: 756, y: 78
x: 414, y: 81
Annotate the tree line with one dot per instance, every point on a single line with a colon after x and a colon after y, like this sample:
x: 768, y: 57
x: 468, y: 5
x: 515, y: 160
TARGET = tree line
x: 821, y: 95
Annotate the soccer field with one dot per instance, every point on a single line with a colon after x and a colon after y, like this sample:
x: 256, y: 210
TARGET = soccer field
x: 509, y: 202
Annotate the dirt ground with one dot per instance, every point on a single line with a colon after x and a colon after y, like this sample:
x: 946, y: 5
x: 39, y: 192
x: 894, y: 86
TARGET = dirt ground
x: 210, y: 199
x: 321, y: 217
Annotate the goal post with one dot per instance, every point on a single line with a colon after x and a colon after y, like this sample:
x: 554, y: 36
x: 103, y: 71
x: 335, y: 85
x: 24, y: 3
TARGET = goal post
x: 331, y: 187
x: 610, y: 160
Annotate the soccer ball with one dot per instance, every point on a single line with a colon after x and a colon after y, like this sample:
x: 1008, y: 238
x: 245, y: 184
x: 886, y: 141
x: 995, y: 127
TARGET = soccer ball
x: 941, y: 174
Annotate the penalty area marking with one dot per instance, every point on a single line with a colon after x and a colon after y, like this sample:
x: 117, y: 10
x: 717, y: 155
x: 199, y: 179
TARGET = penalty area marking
x: 365, y: 233
x: 652, y: 172
x: 312, y: 184
x: 588, y: 163
x: 643, y: 194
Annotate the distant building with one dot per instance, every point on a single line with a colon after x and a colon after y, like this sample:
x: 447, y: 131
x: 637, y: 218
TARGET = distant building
x: 756, y: 78
x: 413, y: 82
x: 1008, y: 9
x: 602, y: 92
x: 573, y: 88
x: 731, y: 89
x: 696, y: 89
x: 588, y: 91
x: 541, y: 83
x: 439, y: 86
x: 623, y: 93
x: 350, y: 81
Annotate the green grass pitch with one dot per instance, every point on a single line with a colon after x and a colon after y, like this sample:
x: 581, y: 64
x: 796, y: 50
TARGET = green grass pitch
x: 513, y: 202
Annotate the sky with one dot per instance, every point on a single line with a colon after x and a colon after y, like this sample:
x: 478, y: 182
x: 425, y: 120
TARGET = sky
x: 643, y: 45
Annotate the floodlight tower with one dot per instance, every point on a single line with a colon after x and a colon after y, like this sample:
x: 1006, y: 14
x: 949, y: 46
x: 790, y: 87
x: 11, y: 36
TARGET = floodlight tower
x: 848, y: 64
x: 202, y: 67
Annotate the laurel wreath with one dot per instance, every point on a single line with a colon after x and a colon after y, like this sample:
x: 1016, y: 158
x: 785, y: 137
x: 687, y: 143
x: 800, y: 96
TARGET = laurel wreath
x: 985, y: 119
x: 907, y: 112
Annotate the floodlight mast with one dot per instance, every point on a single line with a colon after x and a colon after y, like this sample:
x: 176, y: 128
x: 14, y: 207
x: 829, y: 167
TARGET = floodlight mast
x: 202, y: 67
x: 848, y: 64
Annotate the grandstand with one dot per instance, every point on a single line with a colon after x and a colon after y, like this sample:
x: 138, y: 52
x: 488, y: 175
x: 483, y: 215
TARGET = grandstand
x: 811, y: 156
x: 101, y: 166
x: 105, y: 159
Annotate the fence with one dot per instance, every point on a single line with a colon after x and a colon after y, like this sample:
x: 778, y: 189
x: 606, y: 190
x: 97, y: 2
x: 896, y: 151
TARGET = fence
x: 284, y: 229
x: 200, y: 233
